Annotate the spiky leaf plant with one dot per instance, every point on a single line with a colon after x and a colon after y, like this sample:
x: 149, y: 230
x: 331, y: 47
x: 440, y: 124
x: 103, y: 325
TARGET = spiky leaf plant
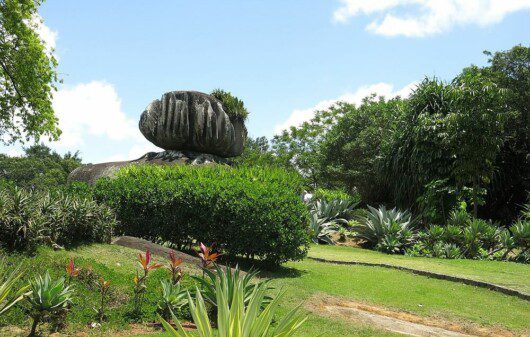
x: 173, y: 297
x: 230, y: 278
x: 387, y: 230
x: 47, y: 297
x: 9, y: 296
x: 238, y: 315
x: 322, y: 229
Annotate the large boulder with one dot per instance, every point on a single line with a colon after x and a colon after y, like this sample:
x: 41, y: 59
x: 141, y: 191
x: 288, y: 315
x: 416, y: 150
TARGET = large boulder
x: 190, y: 120
x: 92, y: 172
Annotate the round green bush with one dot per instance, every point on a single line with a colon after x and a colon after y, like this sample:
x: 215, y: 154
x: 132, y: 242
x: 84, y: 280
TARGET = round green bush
x: 246, y: 211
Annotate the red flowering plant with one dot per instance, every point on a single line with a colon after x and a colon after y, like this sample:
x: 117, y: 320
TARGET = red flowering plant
x: 103, y: 287
x: 174, y: 267
x: 72, y: 271
x: 207, y: 257
x: 140, y: 286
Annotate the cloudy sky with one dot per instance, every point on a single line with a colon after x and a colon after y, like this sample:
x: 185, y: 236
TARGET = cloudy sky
x: 284, y: 58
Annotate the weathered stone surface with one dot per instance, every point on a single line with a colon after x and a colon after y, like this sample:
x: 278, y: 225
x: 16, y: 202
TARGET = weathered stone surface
x: 92, y: 172
x: 190, y: 120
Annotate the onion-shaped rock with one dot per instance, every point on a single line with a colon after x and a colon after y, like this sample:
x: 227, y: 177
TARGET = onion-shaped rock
x: 190, y: 120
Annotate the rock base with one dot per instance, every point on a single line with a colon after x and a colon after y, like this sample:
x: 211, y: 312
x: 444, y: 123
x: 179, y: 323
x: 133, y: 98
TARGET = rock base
x: 92, y: 172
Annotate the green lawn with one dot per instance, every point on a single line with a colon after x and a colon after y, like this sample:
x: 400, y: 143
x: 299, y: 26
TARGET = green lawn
x: 303, y: 282
x: 509, y: 274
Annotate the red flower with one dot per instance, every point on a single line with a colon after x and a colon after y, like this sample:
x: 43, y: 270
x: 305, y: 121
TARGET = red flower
x: 145, y: 262
x: 207, y: 256
x: 71, y: 270
x: 174, y: 261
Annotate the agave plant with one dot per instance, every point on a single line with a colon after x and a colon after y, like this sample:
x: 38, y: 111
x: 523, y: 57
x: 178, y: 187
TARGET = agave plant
x: 173, y: 297
x: 239, y: 314
x: 8, y: 295
x: 387, y: 230
x: 231, y: 278
x: 520, y: 238
x: 322, y: 229
x: 334, y: 210
x: 446, y: 250
x: 48, y: 297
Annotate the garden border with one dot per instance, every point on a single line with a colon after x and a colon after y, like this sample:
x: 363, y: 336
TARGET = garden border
x: 481, y: 284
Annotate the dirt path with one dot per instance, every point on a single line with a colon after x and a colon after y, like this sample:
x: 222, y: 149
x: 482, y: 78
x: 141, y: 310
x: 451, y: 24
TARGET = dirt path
x: 397, y: 321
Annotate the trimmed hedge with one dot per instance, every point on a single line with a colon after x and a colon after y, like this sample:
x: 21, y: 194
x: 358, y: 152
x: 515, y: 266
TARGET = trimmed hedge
x: 247, y: 211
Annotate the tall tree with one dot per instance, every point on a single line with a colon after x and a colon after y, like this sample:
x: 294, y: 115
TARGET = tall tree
x: 354, y: 147
x: 27, y: 75
x: 476, y: 129
x: 508, y: 189
x: 299, y: 145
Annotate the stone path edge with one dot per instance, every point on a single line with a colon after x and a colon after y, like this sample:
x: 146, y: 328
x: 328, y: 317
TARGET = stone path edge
x: 481, y: 284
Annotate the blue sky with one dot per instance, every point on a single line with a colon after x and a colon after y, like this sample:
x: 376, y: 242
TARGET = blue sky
x: 284, y: 58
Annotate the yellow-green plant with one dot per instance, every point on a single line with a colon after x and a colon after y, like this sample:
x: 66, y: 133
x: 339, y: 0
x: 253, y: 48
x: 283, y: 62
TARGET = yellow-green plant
x: 234, y: 318
x: 8, y: 295
x: 47, y: 298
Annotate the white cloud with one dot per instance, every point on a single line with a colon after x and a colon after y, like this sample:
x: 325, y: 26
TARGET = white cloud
x: 419, y: 18
x: 91, y: 109
x: 298, y: 116
x: 47, y: 35
x: 91, y: 113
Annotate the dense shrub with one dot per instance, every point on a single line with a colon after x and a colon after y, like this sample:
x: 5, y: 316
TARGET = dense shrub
x: 252, y: 212
x: 334, y: 194
x: 29, y: 218
x: 233, y: 106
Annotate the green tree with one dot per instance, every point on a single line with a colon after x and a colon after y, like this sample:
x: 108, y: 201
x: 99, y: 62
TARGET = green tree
x: 475, y: 130
x: 28, y: 75
x: 353, y: 149
x: 40, y: 168
x: 258, y: 153
x: 418, y: 165
x: 510, y: 70
x: 299, y: 147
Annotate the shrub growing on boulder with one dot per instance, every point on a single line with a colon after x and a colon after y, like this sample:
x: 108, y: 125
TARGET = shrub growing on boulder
x: 252, y: 212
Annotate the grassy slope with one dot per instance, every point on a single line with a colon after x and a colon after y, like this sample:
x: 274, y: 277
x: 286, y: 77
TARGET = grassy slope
x: 509, y: 274
x: 301, y: 281
x: 114, y: 263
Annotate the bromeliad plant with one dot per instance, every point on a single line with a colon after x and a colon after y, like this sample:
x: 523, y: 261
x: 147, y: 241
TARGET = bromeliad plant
x: 235, y: 318
x: 47, y: 298
x: 140, y: 280
x: 8, y: 295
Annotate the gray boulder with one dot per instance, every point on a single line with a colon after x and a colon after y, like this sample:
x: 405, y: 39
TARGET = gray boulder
x: 92, y: 172
x: 190, y: 120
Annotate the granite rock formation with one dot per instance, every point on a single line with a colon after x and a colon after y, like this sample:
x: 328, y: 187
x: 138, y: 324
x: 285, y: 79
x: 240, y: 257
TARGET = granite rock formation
x: 194, y: 121
x: 92, y: 172
x: 192, y: 127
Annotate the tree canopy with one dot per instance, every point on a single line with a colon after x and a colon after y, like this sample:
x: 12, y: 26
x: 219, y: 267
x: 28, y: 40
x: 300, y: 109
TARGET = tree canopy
x: 27, y: 75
